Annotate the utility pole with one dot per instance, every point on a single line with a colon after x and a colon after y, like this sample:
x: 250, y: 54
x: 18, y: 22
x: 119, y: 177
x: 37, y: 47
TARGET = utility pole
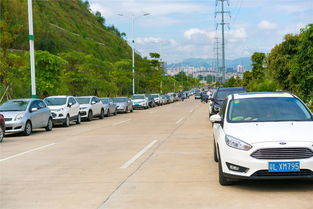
x: 222, y: 12
x: 31, y: 48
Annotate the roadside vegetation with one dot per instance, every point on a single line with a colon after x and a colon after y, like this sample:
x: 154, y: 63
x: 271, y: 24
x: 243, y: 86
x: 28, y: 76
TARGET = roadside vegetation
x: 288, y: 67
x: 77, y: 53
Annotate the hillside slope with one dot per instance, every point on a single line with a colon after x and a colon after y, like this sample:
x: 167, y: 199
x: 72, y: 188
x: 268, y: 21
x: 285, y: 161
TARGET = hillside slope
x: 61, y: 26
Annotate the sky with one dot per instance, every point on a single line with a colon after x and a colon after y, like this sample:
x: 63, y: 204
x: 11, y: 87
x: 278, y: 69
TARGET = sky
x: 182, y: 29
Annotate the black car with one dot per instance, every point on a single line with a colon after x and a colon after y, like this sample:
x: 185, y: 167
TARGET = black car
x: 220, y: 95
x: 151, y: 100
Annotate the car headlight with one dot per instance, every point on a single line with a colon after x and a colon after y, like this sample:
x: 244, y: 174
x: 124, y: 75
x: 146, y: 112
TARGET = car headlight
x: 19, y: 117
x: 236, y: 143
x: 83, y: 108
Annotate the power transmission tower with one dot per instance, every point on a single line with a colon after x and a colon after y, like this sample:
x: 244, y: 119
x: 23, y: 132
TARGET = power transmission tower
x: 216, y: 52
x: 220, y: 11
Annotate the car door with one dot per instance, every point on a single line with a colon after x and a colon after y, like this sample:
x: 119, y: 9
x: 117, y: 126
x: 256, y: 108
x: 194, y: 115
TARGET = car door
x: 218, y: 128
x: 75, y: 107
x: 111, y: 106
x: 99, y: 105
x: 35, y: 116
x: 94, y: 106
x: 44, y: 112
x: 130, y: 104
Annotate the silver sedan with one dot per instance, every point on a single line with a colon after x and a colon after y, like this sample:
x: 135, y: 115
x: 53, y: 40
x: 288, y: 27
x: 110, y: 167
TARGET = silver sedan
x: 23, y: 115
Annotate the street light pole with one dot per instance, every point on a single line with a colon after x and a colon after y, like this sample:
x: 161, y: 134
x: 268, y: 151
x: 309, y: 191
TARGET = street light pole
x: 31, y: 47
x: 133, y: 47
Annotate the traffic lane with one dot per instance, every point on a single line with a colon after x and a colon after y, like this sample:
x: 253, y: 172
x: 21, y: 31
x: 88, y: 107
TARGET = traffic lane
x: 90, y: 161
x: 183, y: 174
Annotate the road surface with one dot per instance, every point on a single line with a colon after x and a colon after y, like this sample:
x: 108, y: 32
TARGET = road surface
x: 158, y: 158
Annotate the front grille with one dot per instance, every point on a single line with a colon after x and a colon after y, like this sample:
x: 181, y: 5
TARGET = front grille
x: 301, y: 173
x: 53, y: 115
x: 7, y: 119
x: 282, y: 153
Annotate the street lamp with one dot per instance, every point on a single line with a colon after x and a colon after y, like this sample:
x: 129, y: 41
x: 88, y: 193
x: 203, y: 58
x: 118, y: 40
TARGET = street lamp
x: 31, y: 47
x: 133, y: 45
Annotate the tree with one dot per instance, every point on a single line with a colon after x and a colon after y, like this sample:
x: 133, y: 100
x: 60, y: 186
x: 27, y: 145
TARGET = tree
x: 99, y: 17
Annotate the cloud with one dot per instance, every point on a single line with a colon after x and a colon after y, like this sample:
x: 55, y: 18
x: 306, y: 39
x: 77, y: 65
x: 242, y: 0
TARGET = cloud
x: 266, y: 25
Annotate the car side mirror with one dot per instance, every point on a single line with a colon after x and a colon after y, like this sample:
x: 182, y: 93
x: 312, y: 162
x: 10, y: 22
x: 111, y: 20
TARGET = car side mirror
x: 93, y: 102
x: 216, y: 119
x: 70, y: 104
x: 34, y: 109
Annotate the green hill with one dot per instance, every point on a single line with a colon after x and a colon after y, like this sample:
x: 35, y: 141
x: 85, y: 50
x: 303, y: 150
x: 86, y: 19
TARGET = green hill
x: 61, y: 26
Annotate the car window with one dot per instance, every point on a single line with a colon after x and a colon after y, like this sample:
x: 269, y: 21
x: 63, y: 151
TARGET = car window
x: 41, y: 104
x: 72, y: 100
x: 223, y: 110
x: 93, y: 99
x: 34, y: 104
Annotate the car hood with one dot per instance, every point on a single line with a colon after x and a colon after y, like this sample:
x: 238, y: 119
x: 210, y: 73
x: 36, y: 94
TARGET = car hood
x: 53, y: 108
x: 271, y: 131
x: 121, y: 104
x: 138, y: 100
x: 12, y: 114
x: 85, y: 105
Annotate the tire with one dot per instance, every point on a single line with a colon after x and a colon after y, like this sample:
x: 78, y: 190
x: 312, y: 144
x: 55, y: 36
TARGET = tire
x: 49, y: 125
x: 28, y: 129
x: 101, y: 116
x: 222, y: 179
x: 90, y: 116
x: 108, y: 113
x: 1, y: 134
x: 215, y: 153
x: 79, y: 119
x: 67, y: 121
x: 115, y: 113
x: 132, y: 110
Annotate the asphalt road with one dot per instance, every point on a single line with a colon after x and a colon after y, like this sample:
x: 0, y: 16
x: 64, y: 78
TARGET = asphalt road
x: 159, y: 158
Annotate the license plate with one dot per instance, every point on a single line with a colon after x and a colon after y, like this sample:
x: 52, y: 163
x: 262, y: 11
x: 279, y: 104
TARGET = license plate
x: 136, y: 104
x: 283, y: 166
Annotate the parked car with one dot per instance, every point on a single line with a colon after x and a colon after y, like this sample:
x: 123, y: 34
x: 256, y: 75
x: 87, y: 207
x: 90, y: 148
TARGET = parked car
x: 140, y: 101
x: 157, y: 99
x: 64, y: 109
x: 24, y: 115
x: 163, y: 99
x: 90, y: 107
x: 220, y: 95
x: 151, y: 100
x: 2, y: 127
x: 263, y: 136
x: 171, y: 97
x: 109, y: 105
x: 124, y: 104
x: 198, y: 95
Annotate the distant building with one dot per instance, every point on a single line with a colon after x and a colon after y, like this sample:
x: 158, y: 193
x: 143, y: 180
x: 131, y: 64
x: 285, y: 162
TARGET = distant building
x: 240, y: 68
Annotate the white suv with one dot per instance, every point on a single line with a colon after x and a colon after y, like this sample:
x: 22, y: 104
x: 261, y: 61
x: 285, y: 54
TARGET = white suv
x: 263, y: 136
x: 64, y: 109
x: 90, y: 107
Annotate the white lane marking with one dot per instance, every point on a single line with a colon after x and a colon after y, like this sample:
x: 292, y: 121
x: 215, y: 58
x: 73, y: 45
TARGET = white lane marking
x: 118, y: 123
x: 23, y: 153
x: 180, y: 120
x: 133, y: 159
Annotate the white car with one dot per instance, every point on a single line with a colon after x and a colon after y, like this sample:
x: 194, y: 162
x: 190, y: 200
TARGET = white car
x: 157, y: 99
x: 263, y: 136
x: 64, y: 109
x: 140, y: 101
x: 90, y: 107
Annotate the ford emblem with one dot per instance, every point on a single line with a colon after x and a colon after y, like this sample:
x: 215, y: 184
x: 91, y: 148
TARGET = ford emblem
x: 282, y: 143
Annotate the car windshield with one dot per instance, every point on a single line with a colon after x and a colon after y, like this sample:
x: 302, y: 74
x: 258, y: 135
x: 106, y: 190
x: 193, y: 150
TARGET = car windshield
x: 119, y: 99
x: 55, y: 101
x: 138, y: 97
x: 105, y: 101
x: 149, y: 96
x: 14, y: 106
x: 83, y: 100
x: 222, y: 94
x: 267, y: 110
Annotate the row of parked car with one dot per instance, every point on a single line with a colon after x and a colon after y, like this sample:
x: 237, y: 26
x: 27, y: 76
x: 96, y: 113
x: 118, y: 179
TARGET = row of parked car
x: 24, y: 115
x: 260, y: 135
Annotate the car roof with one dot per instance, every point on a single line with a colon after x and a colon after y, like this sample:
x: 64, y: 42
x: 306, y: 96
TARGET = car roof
x: 59, y: 96
x: 26, y: 99
x: 84, y: 97
x: 261, y: 95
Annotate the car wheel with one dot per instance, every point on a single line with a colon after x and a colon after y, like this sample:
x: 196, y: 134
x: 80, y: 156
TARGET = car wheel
x: 222, y: 179
x: 49, y: 125
x: 215, y: 153
x: 108, y: 113
x: 1, y: 134
x: 28, y: 129
x: 67, y: 121
x: 115, y: 113
x: 79, y: 119
x: 132, y: 110
x: 101, y: 116
x: 90, y: 116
